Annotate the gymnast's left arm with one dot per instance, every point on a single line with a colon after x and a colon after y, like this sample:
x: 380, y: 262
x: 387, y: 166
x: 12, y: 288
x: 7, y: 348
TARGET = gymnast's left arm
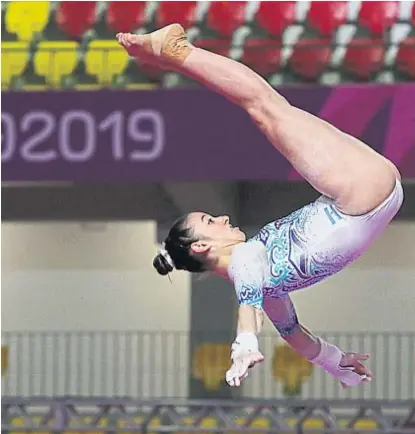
x: 347, y: 367
x: 282, y: 313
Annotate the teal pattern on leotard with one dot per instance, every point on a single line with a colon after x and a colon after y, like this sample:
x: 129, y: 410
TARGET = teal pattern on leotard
x: 280, y: 259
x: 292, y: 267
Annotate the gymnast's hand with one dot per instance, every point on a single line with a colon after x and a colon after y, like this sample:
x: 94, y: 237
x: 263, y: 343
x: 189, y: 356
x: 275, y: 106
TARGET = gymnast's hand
x: 354, y: 361
x: 348, y: 368
x: 242, y: 361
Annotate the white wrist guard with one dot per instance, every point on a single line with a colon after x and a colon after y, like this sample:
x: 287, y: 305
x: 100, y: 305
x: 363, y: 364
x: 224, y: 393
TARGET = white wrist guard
x: 330, y: 358
x: 244, y: 342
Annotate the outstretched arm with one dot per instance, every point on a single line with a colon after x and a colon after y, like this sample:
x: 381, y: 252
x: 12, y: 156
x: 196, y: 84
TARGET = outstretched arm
x: 347, y: 367
x: 282, y: 313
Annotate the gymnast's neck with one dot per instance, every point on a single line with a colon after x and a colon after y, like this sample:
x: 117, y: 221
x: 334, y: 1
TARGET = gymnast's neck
x: 221, y: 265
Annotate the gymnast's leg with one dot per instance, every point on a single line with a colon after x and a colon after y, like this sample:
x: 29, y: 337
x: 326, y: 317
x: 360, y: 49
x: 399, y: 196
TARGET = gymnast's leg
x: 336, y: 164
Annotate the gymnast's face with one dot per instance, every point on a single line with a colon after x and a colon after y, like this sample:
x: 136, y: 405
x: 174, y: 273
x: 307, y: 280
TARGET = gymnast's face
x: 213, y: 232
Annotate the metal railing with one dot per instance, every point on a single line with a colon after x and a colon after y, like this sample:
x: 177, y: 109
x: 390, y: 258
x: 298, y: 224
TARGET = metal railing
x: 161, y: 364
x: 103, y: 415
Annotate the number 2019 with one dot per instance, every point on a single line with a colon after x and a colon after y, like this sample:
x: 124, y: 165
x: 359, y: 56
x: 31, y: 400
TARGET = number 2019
x: 28, y: 137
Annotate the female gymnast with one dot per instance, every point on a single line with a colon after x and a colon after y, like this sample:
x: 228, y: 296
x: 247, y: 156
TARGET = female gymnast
x: 360, y: 191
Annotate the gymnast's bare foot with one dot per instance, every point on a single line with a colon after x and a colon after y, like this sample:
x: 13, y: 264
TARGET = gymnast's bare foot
x: 166, y: 46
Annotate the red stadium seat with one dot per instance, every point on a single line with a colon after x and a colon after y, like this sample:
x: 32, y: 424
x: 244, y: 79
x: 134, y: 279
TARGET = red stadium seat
x: 226, y: 17
x: 364, y: 57
x: 75, y: 18
x: 405, y: 58
x: 326, y: 16
x: 263, y: 55
x: 124, y: 16
x: 310, y: 57
x: 275, y: 16
x: 378, y: 16
x: 176, y: 12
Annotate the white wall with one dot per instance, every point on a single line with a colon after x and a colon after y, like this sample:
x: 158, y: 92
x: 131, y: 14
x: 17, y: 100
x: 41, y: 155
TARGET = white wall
x: 55, y: 275
x: 94, y: 277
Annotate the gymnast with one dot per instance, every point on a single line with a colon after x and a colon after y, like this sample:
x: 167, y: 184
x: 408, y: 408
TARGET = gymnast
x: 360, y: 190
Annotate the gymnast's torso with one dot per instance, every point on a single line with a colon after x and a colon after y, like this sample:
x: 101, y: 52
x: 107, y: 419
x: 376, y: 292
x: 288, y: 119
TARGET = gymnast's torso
x: 298, y: 251
x: 305, y: 247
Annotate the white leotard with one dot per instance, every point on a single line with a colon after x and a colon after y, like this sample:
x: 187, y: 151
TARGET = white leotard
x: 302, y: 249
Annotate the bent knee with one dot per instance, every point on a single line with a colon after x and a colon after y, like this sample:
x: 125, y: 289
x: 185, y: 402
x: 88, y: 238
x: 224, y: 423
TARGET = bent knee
x: 384, y: 179
x: 394, y: 169
x: 370, y: 189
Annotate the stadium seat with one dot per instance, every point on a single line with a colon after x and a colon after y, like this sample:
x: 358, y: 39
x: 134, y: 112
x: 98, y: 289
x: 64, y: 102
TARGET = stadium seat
x: 55, y: 60
x: 6, y: 36
x: 26, y: 19
x: 275, y: 16
x: 365, y: 53
x: 80, y: 79
x: 225, y: 17
x: 124, y: 16
x: 48, y: 42
x: 176, y: 12
x: 105, y: 60
x: 378, y: 16
x: 310, y: 57
x: 53, y: 31
x: 263, y: 55
x: 405, y: 58
x: 326, y: 16
x: 75, y: 18
x: 364, y: 57
x: 14, y: 58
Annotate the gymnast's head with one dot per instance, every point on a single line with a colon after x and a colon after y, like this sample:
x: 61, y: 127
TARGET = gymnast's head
x: 196, y: 243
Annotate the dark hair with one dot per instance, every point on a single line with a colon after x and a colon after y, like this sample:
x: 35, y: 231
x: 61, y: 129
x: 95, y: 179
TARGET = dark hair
x: 177, y: 244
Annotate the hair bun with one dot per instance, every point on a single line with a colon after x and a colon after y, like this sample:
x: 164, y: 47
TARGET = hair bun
x: 162, y: 265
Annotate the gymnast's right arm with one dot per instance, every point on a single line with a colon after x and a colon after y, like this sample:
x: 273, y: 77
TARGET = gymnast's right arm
x: 247, y: 270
